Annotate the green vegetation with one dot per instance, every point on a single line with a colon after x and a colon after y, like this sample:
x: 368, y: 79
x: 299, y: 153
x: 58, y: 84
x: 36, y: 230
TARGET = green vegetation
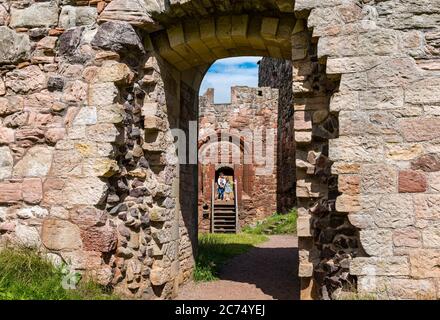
x: 356, y: 296
x: 216, y: 249
x: 275, y: 224
x: 25, y: 275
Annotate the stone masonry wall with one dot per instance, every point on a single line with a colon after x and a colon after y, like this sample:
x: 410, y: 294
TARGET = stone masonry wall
x: 88, y: 169
x: 385, y: 56
x: 250, y: 109
x: 278, y: 73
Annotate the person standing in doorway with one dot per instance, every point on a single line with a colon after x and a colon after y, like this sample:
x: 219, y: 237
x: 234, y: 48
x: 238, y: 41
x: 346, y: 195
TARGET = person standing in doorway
x: 221, y: 184
x: 228, y: 189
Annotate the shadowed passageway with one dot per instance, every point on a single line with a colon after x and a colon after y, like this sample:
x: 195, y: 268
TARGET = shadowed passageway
x: 266, y: 272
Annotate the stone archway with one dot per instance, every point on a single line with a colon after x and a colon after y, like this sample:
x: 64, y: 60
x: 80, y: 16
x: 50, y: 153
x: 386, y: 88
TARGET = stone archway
x: 89, y: 168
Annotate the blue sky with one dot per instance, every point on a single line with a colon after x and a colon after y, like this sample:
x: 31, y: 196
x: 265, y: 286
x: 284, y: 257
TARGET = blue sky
x: 224, y: 73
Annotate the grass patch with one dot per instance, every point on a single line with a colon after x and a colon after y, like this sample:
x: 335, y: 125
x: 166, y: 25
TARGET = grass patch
x: 25, y: 275
x: 216, y: 249
x: 275, y: 224
x: 356, y: 296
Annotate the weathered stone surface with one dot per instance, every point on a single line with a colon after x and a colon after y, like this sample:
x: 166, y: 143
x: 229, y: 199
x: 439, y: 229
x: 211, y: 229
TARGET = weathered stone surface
x: 87, y: 217
x: 15, y: 46
x: 390, y: 288
x: 35, y: 163
x: 378, y: 178
x: 4, y: 15
x: 32, y: 190
x: 375, y: 266
x: 407, y: 237
x: 60, y: 235
x: 84, y: 191
x: 6, y: 163
x: 420, y: 129
x: 27, y: 236
x: 412, y: 181
x: 69, y: 41
x: 348, y: 203
x: 85, y: 116
x: 72, y: 16
x: 133, y: 12
x: 102, y: 94
x: 427, y: 206
x: 26, y: 80
x: 425, y: 263
x: 431, y: 236
x: 103, y: 132
x: 119, y: 37
x: 377, y: 242
x: 10, y: 105
x: 159, y: 276
x: 112, y: 71
x: 32, y: 212
x: 37, y: 15
x: 402, y: 153
x: 428, y: 163
x: 101, y: 239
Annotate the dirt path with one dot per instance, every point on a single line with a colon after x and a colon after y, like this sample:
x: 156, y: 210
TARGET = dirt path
x: 266, y: 272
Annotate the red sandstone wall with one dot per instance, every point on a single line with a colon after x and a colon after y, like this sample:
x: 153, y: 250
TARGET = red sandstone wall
x: 250, y: 109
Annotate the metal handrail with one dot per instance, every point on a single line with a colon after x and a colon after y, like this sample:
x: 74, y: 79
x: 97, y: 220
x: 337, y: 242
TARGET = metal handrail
x: 236, y: 206
x: 212, y: 206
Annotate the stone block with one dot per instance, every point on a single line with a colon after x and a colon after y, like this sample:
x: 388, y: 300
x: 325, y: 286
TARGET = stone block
x: 103, y: 132
x: 412, y: 181
x: 404, y: 152
x: 305, y: 269
x: 348, y: 203
x: 6, y: 163
x: 102, y: 94
x: 27, y: 236
x: 10, y: 193
x: 420, y: 129
x: 84, y: 191
x: 431, y: 236
x: 35, y: 163
x: 10, y: 104
x: 377, y: 242
x: 16, y: 46
x: 378, y: 178
x: 349, y: 184
x: 72, y: 16
x: 427, y: 206
x: 101, y: 239
x: 427, y: 162
x: 425, y: 263
x: 112, y: 71
x: 407, y: 237
x: 32, y: 212
x: 26, y: 80
x: 44, y: 14
x: 32, y: 190
x: 380, y: 266
x: 60, y: 235
x: 87, y: 217
x: 303, y: 226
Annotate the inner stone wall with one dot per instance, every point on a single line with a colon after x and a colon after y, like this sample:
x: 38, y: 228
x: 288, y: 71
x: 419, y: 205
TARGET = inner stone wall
x: 252, y: 110
x: 278, y: 73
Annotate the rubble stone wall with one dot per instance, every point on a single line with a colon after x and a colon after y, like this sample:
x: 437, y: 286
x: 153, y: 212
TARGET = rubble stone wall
x: 90, y: 91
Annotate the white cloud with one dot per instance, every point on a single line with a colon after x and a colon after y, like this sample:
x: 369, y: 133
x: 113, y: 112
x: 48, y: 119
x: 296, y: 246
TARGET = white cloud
x: 225, y: 73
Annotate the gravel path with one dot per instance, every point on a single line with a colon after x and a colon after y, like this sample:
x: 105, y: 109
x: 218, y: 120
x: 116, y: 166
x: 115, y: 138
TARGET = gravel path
x: 266, y: 272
